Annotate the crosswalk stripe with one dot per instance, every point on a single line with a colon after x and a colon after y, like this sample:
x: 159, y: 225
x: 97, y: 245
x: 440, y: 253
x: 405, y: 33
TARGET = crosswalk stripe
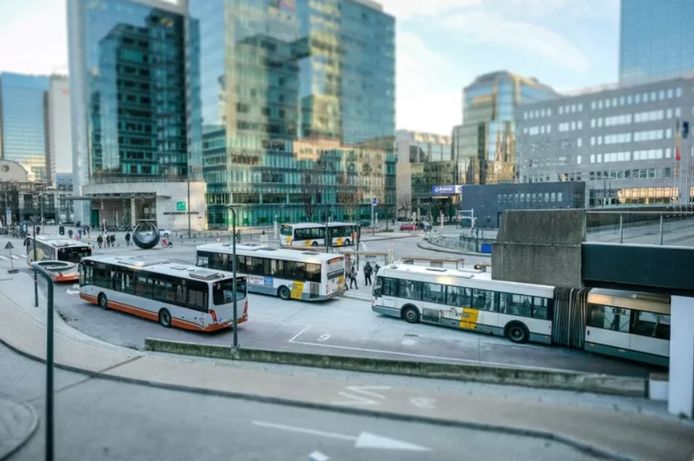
x: 4, y: 258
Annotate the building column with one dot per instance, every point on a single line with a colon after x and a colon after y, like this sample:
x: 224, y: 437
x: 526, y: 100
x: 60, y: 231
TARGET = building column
x: 133, y: 214
x: 681, y: 385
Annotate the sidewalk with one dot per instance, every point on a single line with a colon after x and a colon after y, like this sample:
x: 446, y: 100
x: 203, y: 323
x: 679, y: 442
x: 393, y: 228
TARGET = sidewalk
x: 617, y: 431
x: 18, y: 422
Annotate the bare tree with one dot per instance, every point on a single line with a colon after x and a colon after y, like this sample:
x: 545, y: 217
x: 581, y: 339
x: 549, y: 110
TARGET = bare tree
x: 404, y: 202
x: 347, y: 196
x: 311, y: 191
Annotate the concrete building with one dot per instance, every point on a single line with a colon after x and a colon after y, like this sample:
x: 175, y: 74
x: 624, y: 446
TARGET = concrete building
x: 20, y: 198
x: 23, y: 120
x: 293, y: 109
x: 129, y: 111
x: 630, y: 144
x: 59, y: 127
x: 424, y: 160
x: 656, y: 40
x: 485, y: 144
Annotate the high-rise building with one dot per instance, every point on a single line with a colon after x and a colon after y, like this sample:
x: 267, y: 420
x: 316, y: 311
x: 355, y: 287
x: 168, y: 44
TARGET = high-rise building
x: 631, y: 145
x: 128, y: 99
x: 59, y: 127
x: 23, y: 119
x: 485, y: 144
x: 292, y: 113
x: 656, y: 40
x: 424, y: 161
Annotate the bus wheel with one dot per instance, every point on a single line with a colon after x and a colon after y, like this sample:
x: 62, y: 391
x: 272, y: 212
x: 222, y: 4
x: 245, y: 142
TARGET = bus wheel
x: 165, y: 318
x: 314, y: 244
x: 284, y: 293
x: 410, y: 314
x: 103, y: 301
x: 347, y: 243
x: 517, y: 332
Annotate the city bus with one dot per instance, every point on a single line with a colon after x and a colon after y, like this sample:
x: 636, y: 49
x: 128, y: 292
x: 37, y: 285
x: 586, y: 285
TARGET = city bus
x: 172, y: 294
x: 304, y: 235
x: 625, y: 324
x: 289, y: 274
x: 59, y: 255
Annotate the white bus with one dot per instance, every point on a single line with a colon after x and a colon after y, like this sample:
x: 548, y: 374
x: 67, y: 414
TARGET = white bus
x: 289, y: 274
x: 625, y: 324
x: 304, y: 235
x: 172, y: 294
x: 468, y: 300
x: 632, y: 325
x: 61, y: 255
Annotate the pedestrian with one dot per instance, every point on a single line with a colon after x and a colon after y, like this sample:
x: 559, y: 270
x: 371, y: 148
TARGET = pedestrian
x: 367, y: 273
x: 100, y: 240
x: 79, y: 233
x: 61, y: 230
x: 376, y: 268
x: 69, y: 233
x: 113, y: 240
x: 353, y: 278
x: 86, y: 227
x: 127, y: 239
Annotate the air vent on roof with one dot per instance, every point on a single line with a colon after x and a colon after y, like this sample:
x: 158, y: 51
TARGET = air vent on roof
x: 179, y: 268
x: 436, y: 269
x: 205, y: 275
x: 311, y: 253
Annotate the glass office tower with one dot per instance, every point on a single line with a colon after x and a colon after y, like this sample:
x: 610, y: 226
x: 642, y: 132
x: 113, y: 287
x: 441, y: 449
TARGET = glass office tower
x: 292, y: 113
x: 23, y: 119
x: 486, y: 141
x: 656, y: 40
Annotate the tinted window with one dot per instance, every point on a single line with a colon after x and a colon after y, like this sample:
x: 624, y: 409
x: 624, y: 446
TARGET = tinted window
x: 513, y: 304
x: 223, y: 292
x: 458, y: 296
x: 540, y: 308
x: 482, y: 299
x: 651, y: 324
x: 312, y: 272
x: 389, y: 287
x: 433, y: 293
x: 409, y: 289
x: 610, y: 318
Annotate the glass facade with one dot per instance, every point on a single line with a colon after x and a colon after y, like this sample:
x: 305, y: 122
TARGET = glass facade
x: 486, y: 139
x: 292, y: 113
x: 136, y: 96
x: 656, y: 40
x: 23, y: 122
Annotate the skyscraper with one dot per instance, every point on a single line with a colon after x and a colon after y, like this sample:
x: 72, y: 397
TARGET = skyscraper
x: 23, y: 118
x: 59, y: 127
x: 295, y: 108
x: 486, y: 141
x: 656, y: 40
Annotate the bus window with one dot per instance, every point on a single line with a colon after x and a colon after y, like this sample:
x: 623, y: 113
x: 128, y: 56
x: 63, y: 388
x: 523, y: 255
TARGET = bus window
x: 390, y: 287
x: 482, y: 299
x: 610, y: 318
x: 513, y: 304
x: 651, y: 324
x: 223, y: 292
x: 286, y: 230
x: 197, y: 296
x: 410, y: 289
x: 312, y: 272
x: 458, y: 296
x: 540, y: 310
x: 433, y: 293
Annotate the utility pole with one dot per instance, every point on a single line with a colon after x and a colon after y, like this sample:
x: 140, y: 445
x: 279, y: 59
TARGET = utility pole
x: 233, y: 268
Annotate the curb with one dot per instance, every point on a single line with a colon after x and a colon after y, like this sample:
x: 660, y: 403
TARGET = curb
x: 360, y: 298
x: 511, y: 430
x: 543, y: 378
x: 33, y: 425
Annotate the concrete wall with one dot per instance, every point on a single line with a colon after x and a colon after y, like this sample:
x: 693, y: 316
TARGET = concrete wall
x: 542, y: 247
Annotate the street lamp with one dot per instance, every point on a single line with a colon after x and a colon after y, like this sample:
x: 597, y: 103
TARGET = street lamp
x: 233, y: 269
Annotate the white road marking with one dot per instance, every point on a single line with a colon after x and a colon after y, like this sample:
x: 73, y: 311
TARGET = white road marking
x: 15, y: 257
x: 363, y: 440
x: 324, y: 337
x: 4, y: 258
x: 359, y: 395
x: 317, y: 456
x: 408, y: 342
x: 299, y: 333
x: 423, y: 402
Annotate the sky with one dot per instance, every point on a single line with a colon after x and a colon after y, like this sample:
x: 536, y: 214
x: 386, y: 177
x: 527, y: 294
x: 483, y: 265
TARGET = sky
x: 442, y: 45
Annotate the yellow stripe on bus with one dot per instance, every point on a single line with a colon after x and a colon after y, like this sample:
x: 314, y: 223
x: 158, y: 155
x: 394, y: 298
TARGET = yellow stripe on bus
x: 297, y: 289
x: 468, y: 319
x: 340, y: 241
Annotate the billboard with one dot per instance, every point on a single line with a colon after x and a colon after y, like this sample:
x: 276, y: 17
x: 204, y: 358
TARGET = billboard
x: 447, y: 190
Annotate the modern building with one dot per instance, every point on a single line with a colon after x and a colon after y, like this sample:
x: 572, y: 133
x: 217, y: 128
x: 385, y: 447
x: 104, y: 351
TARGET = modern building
x: 629, y: 144
x: 59, y: 128
x: 656, y: 40
x: 129, y: 110
x: 487, y: 203
x: 424, y: 161
x: 21, y: 199
x: 23, y: 120
x: 485, y: 144
x: 292, y: 112
x: 62, y: 194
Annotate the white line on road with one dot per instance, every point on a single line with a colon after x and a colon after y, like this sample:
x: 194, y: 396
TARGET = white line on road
x: 15, y: 257
x: 299, y: 333
x: 318, y: 456
x: 4, y: 258
x: 363, y: 440
x: 356, y: 395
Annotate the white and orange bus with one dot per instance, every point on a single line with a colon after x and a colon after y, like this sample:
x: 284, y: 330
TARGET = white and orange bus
x: 172, y: 294
x: 58, y: 255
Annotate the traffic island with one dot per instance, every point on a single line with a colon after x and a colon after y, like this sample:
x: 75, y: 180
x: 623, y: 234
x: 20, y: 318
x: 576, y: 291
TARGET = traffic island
x: 533, y: 377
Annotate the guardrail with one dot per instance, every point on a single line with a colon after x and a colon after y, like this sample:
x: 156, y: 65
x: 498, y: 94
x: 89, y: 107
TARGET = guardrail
x: 666, y: 227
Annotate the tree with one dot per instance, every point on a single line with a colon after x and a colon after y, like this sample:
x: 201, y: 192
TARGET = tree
x: 347, y: 196
x: 404, y: 202
x: 311, y: 191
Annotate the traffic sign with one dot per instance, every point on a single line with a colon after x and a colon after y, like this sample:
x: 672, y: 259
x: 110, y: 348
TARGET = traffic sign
x: 9, y: 246
x: 180, y: 206
x: 374, y: 202
x: 451, y: 189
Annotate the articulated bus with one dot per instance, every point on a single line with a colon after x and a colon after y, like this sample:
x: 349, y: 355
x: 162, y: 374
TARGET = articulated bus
x: 289, y: 274
x: 172, y: 294
x: 631, y: 325
x: 58, y: 255
x: 304, y: 235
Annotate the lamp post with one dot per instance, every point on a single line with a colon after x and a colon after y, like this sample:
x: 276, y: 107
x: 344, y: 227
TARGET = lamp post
x: 49, y: 358
x: 36, y: 280
x: 233, y: 269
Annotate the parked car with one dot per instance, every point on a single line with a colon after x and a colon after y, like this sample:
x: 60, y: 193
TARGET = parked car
x: 425, y: 226
x: 408, y: 227
x: 164, y: 233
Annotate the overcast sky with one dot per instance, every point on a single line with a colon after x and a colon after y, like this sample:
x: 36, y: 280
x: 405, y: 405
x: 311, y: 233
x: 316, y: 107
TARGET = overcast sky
x: 441, y: 46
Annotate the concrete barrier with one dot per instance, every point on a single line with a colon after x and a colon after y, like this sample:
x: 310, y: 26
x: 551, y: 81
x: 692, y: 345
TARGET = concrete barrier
x: 534, y: 377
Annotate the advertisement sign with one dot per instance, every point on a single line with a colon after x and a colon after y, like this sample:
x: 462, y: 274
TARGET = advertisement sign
x: 446, y: 190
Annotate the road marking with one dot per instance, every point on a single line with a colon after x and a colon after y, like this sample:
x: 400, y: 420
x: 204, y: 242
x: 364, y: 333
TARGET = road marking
x: 299, y: 333
x: 324, y: 337
x: 423, y: 402
x: 15, y: 257
x: 359, y: 395
x: 408, y: 342
x: 317, y: 456
x: 72, y: 292
x: 363, y: 440
x: 4, y: 258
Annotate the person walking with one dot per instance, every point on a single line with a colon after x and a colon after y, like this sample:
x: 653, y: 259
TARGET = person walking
x: 69, y: 233
x: 127, y: 239
x: 353, y: 278
x: 100, y: 240
x: 368, y: 270
x: 376, y: 268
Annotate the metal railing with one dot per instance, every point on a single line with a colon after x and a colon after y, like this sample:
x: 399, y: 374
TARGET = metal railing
x: 663, y: 227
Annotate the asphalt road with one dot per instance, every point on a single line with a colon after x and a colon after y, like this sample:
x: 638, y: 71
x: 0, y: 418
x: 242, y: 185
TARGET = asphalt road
x: 101, y: 419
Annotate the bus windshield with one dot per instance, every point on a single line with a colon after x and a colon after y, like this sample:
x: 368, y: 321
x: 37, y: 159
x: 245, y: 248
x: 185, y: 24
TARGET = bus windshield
x: 336, y: 268
x: 73, y: 254
x: 286, y: 230
x: 223, y: 292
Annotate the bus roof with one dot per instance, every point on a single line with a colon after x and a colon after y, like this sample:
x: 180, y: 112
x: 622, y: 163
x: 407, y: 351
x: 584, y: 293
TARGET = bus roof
x: 261, y: 250
x: 305, y: 225
x: 163, y: 266
x: 466, y: 277
x: 58, y: 241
